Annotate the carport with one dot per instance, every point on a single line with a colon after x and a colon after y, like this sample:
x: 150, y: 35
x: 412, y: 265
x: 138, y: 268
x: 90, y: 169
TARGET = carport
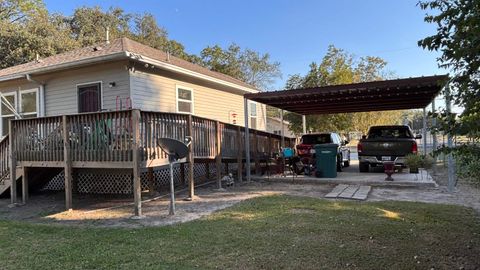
x: 398, y: 94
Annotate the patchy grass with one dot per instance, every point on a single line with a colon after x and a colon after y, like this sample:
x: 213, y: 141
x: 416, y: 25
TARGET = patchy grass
x: 269, y: 232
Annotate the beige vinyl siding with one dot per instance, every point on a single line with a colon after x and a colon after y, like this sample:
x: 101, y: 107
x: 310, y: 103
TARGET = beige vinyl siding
x: 17, y: 85
x: 153, y: 92
x: 61, y: 88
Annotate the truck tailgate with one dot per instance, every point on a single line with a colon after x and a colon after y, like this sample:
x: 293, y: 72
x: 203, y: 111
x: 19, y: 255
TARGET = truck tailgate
x: 397, y: 147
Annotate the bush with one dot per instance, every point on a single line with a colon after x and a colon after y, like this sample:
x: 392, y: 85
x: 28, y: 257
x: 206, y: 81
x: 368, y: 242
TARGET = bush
x: 413, y: 162
x: 467, y: 161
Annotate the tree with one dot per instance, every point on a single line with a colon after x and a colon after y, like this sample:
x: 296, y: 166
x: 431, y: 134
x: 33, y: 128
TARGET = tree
x: 246, y: 65
x: 457, y: 37
x: 27, y: 30
x: 147, y: 31
x: 225, y: 61
x: 14, y: 11
x: 89, y: 24
x: 340, y: 67
x: 21, y: 41
x: 258, y: 70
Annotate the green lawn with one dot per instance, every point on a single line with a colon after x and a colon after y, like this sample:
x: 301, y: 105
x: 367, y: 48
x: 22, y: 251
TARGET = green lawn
x: 268, y: 232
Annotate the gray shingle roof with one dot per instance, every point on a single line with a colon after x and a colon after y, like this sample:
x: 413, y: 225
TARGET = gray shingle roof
x: 116, y: 46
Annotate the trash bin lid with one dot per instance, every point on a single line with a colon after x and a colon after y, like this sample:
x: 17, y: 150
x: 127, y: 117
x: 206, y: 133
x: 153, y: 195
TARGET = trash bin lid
x: 326, y: 146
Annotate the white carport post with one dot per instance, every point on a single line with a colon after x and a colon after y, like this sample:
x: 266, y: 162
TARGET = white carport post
x: 282, y: 132
x: 247, y: 140
x: 434, y: 125
x: 450, y: 162
x: 424, y: 135
x: 304, y: 124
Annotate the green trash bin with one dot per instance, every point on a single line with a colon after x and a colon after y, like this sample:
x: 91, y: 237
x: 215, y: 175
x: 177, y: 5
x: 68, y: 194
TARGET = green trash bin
x: 326, y: 160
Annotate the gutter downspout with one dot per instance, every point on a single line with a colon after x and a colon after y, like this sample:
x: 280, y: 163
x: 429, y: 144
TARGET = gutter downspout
x: 41, y: 94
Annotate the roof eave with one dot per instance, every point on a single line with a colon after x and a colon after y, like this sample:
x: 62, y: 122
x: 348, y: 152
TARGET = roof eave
x: 188, y: 72
x: 96, y: 59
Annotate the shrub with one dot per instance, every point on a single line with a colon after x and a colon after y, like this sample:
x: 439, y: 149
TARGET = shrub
x: 413, y: 162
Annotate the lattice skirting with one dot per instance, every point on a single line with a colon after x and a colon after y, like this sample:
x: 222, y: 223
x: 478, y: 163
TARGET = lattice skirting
x: 104, y: 181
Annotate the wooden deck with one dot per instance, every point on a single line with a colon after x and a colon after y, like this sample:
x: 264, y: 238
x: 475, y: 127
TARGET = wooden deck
x: 123, y: 140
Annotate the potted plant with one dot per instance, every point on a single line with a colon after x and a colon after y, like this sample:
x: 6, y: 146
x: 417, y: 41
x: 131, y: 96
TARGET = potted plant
x: 413, y: 162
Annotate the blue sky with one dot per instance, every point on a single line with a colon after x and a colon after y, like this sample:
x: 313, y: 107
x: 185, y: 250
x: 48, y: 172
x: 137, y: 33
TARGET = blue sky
x: 295, y: 33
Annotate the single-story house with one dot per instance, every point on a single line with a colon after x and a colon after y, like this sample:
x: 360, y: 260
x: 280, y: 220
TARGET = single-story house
x: 123, y: 74
x: 274, y: 125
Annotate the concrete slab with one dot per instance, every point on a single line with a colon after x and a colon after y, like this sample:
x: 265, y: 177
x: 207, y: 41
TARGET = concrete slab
x: 336, y: 191
x: 352, y: 176
x: 354, y: 192
x: 348, y: 192
x: 362, y: 193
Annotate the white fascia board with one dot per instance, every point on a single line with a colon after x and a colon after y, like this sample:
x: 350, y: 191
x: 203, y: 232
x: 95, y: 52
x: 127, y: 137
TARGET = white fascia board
x: 188, y: 72
x: 91, y: 60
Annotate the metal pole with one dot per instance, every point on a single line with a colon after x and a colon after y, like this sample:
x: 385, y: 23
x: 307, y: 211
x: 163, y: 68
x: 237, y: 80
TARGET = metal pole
x: 282, y: 132
x: 172, y: 192
x: 434, y: 125
x: 304, y: 124
x: 247, y: 140
x: 424, y: 131
x: 434, y: 137
x: 451, y: 165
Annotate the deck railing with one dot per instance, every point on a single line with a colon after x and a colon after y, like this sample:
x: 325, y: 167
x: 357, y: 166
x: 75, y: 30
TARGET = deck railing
x: 4, y: 158
x: 110, y: 137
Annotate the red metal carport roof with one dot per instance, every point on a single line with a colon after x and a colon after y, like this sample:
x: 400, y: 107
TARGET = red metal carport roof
x: 399, y: 94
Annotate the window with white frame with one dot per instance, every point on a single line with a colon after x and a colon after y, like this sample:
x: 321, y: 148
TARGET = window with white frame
x: 29, y: 103
x: 253, y: 115
x: 9, y: 102
x: 184, y: 100
x: 27, y: 107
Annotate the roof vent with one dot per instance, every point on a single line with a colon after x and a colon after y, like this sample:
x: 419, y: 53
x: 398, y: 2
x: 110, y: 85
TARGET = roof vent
x: 37, y: 58
x: 97, y: 48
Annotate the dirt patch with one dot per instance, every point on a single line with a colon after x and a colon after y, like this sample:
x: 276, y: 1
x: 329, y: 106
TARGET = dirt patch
x: 118, y: 211
x: 302, y: 211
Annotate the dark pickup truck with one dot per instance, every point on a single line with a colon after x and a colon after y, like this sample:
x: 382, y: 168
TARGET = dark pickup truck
x: 386, y: 143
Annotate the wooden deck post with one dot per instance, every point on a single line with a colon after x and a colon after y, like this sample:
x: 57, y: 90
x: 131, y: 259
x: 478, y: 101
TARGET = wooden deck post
x: 190, y: 159
x: 218, y: 154
x: 13, y: 166
x: 137, y: 188
x: 239, y: 155
x: 269, y: 153
x: 67, y: 164
x: 25, y: 185
x: 255, y: 152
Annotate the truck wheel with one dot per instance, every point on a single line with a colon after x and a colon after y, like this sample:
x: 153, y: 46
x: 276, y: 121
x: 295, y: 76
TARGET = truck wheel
x: 363, y: 166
